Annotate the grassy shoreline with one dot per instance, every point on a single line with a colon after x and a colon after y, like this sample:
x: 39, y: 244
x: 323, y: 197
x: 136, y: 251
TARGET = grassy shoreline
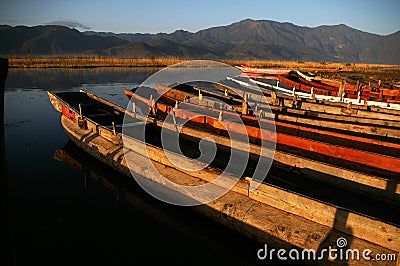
x: 389, y: 74
x: 88, y: 62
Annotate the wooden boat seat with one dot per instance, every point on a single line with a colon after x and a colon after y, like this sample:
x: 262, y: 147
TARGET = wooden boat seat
x: 98, y: 115
x: 138, y: 123
x: 88, y: 105
x: 120, y: 126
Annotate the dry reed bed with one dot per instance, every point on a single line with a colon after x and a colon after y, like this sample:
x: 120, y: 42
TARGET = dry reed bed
x: 82, y: 62
x: 313, y: 66
x: 38, y: 62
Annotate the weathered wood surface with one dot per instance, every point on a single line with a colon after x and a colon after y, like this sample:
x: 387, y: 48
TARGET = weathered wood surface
x: 280, y: 229
x: 345, y: 118
x: 385, y: 133
x: 351, y: 110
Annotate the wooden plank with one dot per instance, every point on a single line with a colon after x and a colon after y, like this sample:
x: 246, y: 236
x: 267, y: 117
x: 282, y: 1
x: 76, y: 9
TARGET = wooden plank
x: 385, y: 133
x: 344, y: 118
x: 339, y: 110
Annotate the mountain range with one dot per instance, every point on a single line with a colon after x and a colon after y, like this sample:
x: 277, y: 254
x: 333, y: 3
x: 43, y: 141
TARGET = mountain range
x: 246, y: 39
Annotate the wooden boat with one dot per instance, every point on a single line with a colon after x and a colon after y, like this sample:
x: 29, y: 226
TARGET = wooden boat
x: 95, y: 136
x: 222, y: 120
x: 264, y: 71
x: 125, y: 190
x: 304, y: 87
x: 382, y: 94
x: 319, y: 85
x: 281, y: 158
x: 305, y: 76
x: 315, y: 98
x: 234, y: 101
x: 183, y: 93
x: 343, y: 120
x: 359, y: 92
x: 329, y: 91
x: 366, y: 93
x: 255, y: 75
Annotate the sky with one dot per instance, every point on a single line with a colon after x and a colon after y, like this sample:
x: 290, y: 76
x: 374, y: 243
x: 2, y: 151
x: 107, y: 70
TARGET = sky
x: 152, y: 16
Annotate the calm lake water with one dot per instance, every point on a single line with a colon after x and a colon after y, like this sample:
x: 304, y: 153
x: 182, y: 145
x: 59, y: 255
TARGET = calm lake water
x: 82, y: 212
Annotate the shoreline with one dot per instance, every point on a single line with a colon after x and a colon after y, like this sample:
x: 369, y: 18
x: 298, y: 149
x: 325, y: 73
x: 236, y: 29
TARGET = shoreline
x: 91, y: 62
x: 366, y: 73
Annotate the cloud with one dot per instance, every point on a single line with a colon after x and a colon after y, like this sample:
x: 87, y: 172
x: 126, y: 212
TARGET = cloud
x: 69, y: 24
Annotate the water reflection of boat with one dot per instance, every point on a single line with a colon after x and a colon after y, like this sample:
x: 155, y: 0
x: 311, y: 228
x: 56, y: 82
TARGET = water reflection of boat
x: 93, y: 124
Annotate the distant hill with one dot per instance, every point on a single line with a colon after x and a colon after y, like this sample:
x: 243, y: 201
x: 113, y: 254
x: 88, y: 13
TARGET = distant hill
x: 52, y: 40
x: 160, y: 47
x: 247, y: 39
